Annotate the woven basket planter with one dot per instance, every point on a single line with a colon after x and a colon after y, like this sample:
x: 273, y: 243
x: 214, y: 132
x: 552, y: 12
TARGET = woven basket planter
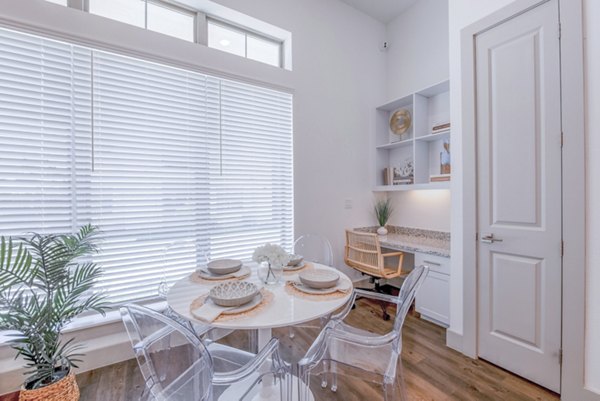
x: 65, y: 389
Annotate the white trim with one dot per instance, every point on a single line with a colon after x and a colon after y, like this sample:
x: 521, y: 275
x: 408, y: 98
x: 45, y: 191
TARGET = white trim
x: 454, y: 340
x: 574, y: 203
x: 573, y: 313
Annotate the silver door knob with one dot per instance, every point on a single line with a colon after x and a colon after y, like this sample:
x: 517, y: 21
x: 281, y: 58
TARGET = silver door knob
x: 489, y: 239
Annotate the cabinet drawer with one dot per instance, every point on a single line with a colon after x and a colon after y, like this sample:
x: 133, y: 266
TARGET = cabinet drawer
x: 433, y: 298
x: 436, y: 263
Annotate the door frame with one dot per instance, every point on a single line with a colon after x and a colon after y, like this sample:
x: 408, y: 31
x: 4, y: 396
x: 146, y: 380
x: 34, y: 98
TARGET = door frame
x: 573, y: 198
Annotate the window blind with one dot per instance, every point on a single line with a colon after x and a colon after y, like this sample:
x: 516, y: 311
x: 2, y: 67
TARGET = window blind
x: 44, y: 133
x: 173, y: 166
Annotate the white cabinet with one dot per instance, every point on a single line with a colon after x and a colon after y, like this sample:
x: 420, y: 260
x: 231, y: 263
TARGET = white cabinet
x: 433, y: 299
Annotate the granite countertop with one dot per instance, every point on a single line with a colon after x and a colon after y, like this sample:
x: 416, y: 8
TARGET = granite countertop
x: 414, y: 240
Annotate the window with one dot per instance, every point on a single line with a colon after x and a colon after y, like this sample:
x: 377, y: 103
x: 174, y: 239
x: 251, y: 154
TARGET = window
x: 242, y: 43
x: 172, y: 165
x: 182, y: 22
x: 155, y: 15
x: 171, y: 21
x: 131, y: 12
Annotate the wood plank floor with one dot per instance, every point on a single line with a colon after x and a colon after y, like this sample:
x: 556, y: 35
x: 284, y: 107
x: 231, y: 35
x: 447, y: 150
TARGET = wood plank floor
x: 431, y: 370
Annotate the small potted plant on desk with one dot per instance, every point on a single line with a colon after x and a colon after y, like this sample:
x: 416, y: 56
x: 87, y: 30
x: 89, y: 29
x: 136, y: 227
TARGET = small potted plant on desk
x: 45, y: 282
x: 383, y: 211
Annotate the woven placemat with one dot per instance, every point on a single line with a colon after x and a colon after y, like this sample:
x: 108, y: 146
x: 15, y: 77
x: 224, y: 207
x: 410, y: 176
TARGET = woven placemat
x: 266, y: 300
x: 290, y: 289
x: 307, y: 266
x: 195, y: 278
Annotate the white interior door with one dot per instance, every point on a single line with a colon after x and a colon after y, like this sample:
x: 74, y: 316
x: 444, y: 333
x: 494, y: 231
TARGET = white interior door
x: 519, y: 194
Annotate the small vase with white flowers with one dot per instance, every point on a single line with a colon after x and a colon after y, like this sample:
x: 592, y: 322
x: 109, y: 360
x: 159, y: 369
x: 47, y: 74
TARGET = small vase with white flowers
x: 271, y: 259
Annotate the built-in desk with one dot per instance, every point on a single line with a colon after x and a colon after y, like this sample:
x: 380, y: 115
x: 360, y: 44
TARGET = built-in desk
x: 431, y: 248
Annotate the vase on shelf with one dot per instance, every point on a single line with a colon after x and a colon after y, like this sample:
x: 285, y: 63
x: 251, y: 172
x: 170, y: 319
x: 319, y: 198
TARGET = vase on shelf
x: 382, y: 230
x: 269, y: 273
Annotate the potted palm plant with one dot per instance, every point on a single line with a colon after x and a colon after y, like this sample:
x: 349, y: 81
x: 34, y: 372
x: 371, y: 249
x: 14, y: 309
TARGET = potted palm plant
x: 45, y: 282
x: 383, y: 211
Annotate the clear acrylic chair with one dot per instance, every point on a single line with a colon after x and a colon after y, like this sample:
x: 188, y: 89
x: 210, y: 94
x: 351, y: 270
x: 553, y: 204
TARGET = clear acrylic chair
x: 314, y: 248
x: 176, y: 365
x: 344, y: 349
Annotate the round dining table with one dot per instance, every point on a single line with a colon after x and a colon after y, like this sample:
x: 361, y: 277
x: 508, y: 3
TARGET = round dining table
x: 284, y: 310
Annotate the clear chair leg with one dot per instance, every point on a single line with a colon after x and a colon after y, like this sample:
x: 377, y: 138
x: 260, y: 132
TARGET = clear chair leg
x: 334, y: 376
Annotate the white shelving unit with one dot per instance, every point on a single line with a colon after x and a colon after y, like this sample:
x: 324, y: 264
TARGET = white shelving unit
x: 428, y: 107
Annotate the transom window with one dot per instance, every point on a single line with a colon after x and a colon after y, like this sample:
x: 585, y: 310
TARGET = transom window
x: 184, y: 22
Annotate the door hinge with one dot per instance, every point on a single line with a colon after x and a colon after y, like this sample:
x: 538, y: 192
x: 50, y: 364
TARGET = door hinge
x: 562, y: 139
x: 559, y: 30
x: 560, y: 356
x: 476, y: 236
x: 562, y: 249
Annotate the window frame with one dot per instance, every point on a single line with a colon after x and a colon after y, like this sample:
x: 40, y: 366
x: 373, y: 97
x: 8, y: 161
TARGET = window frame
x: 201, y: 22
x: 248, y: 33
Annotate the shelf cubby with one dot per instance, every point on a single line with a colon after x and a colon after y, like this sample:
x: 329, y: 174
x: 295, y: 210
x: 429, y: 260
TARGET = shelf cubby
x: 428, y: 107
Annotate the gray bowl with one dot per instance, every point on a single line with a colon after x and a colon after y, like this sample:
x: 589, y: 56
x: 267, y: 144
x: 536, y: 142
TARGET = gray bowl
x: 223, y: 266
x: 234, y: 293
x: 319, y: 278
x: 295, y: 260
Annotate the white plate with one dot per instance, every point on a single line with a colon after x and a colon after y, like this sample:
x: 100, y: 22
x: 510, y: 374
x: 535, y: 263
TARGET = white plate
x: 294, y: 268
x: 314, y: 291
x: 242, y: 308
x: 205, y: 274
x: 224, y: 266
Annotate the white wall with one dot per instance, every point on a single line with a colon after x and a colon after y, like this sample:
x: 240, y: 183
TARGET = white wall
x: 428, y: 209
x: 417, y: 58
x: 592, y: 99
x: 337, y: 79
x: 418, y: 53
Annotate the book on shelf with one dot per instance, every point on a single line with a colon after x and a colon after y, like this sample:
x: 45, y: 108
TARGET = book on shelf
x: 439, y: 178
x: 405, y: 181
x: 441, y: 127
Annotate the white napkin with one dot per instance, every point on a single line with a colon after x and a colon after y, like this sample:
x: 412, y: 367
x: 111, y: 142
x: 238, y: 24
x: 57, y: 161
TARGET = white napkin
x: 208, y: 312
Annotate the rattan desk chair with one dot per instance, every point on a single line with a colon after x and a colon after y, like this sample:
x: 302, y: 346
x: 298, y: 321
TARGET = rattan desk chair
x: 363, y: 253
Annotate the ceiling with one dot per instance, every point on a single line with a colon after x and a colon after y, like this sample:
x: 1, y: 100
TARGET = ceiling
x: 383, y: 10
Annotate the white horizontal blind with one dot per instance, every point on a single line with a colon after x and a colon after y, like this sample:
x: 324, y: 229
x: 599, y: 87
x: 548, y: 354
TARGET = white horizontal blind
x: 252, y: 200
x: 155, y: 140
x: 44, y: 133
x: 172, y: 165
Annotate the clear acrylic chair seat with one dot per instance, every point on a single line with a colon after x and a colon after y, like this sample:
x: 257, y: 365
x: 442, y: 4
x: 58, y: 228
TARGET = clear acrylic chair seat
x: 176, y: 365
x: 344, y: 349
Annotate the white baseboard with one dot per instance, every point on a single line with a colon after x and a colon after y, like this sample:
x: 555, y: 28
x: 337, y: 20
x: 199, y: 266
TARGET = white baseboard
x: 454, y: 340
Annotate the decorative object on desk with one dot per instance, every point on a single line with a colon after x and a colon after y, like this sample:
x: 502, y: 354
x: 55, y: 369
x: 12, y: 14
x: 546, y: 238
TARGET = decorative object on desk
x: 383, y: 211
x: 404, y: 174
x: 440, y: 128
x: 439, y: 178
x: 46, y: 282
x: 271, y: 258
x: 400, y: 123
x: 445, y: 167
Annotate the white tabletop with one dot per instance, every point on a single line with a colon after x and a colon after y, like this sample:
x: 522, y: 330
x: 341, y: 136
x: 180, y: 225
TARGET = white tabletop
x: 283, y: 310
